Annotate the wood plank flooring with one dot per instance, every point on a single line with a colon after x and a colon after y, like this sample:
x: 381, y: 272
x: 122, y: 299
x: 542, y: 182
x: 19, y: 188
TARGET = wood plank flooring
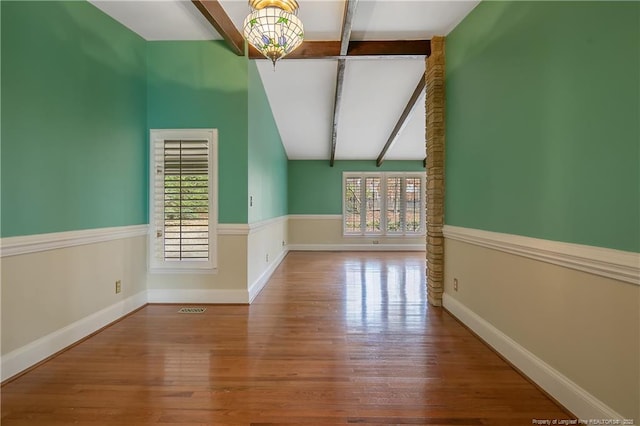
x: 334, y: 338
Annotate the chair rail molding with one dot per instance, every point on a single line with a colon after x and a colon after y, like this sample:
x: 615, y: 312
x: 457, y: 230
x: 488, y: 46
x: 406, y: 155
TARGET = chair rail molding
x: 605, y: 262
x: 13, y: 246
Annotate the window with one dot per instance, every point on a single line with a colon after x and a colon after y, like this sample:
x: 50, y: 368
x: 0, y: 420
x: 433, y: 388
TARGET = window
x: 183, y: 200
x: 383, y: 203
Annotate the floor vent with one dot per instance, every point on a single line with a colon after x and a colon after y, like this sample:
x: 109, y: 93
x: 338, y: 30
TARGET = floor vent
x: 191, y: 310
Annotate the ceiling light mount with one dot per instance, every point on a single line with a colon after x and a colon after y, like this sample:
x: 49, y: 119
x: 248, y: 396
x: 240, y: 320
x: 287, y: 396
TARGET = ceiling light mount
x: 290, y: 6
x: 273, y: 28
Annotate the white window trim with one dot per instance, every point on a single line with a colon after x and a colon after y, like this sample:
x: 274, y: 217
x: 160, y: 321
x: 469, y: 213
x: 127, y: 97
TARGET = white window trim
x: 383, y: 217
x: 160, y: 266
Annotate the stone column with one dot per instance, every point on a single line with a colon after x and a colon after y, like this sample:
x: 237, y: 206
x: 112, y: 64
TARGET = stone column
x: 435, y: 170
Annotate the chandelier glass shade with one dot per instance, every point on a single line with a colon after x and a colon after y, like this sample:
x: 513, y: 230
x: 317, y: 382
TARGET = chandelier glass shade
x: 273, y: 28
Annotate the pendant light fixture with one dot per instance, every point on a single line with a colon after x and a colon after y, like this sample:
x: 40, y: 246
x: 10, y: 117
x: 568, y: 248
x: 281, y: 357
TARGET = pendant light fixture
x: 273, y: 28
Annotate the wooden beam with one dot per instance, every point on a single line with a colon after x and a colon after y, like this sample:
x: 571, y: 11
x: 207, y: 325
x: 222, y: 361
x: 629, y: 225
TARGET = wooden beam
x: 399, y: 49
x: 336, y: 109
x: 349, y: 10
x: 213, y: 11
x: 390, y: 48
x: 345, y: 38
x: 307, y: 50
x: 401, y: 121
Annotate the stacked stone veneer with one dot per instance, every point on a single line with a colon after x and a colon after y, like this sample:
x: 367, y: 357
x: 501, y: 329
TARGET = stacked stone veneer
x: 435, y: 170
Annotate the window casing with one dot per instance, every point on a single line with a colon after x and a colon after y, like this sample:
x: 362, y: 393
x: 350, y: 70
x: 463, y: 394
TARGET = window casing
x: 183, y: 201
x: 383, y: 203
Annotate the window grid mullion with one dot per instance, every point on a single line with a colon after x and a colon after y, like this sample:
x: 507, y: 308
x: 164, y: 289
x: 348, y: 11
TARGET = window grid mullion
x: 180, y: 199
x: 403, y: 205
x: 383, y: 204
x: 363, y: 204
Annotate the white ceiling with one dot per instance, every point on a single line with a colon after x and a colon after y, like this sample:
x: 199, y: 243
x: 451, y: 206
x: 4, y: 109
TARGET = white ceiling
x: 375, y: 92
x: 384, y: 87
x: 407, y: 19
x: 160, y: 20
x: 304, y: 112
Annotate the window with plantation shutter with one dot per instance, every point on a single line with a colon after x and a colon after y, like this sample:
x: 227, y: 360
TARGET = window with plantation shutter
x: 352, y: 204
x: 383, y: 203
x: 183, y: 200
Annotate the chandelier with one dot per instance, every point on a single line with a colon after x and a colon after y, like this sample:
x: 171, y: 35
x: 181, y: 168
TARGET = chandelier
x: 273, y: 28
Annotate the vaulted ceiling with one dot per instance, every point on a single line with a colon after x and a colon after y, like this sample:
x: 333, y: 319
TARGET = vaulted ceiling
x: 353, y: 90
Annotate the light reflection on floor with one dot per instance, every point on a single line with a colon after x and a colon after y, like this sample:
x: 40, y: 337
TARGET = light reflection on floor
x: 385, y: 294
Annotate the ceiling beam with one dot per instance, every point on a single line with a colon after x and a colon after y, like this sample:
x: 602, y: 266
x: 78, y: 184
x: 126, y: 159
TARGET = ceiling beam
x: 349, y: 11
x: 345, y: 38
x: 396, y: 49
x: 390, y: 48
x: 419, y: 90
x: 213, y: 11
x: 336, y: 110
x: 307, y: 50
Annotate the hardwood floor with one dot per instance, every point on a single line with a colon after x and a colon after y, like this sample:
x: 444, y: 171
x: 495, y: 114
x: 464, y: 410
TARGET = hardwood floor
x: 334, y: 338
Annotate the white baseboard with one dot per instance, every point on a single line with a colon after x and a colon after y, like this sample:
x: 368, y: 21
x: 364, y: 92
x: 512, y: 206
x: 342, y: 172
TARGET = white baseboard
x: 566, y: 392
x: 213, y: 296
x: 26, y: 356
x: 258, y: 285
x: 357, y: 247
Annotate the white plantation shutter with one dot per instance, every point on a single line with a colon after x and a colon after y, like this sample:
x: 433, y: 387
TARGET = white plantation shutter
x: 183, y: 213
x: 353, y: 204
x: 373, y: 192
x: 157, y: 209
x: 383, y: 203
x: 394, y: 205
x: 414, y: 205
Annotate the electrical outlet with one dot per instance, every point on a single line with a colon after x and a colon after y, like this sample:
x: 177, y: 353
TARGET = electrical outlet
x: 118, y: 286
x: 283, y: 243
x: 376, y: 242
x: 267, y: 257
x: 251, y: 201
x: 455, y: 284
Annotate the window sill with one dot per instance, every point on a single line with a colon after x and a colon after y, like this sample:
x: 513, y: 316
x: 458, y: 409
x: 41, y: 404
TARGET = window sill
x: 373, y: 236
x: 183, y: 271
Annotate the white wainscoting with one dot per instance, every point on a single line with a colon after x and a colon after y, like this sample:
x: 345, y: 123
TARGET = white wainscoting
x: 264, y: 233
x: 31, y: 353
x: 79, y: 266
x: 13, y: 246
x: 579, y: 401
x: 266, y: 249
x: 602, y: 264
x: 610, y: 263
x: 233, y: 229
x: 315, y: 232
x: 258, y: 285
x: 26, y: 356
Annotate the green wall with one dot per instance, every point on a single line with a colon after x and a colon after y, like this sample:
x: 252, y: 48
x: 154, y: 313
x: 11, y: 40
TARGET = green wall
x: 73, y: 119
x: 201, y: 84
x: 79, y: 94
x: 316, y: 188
x: 267, y: 157
x: 542, y: 121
